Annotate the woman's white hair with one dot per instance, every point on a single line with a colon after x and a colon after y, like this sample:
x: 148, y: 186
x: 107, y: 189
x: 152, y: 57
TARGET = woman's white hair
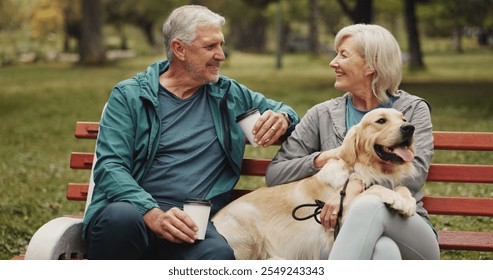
x: 381, y: 52
x: 183, y: 22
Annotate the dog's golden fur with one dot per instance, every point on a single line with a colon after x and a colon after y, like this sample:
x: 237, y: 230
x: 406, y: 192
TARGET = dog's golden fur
x: 259, y: 225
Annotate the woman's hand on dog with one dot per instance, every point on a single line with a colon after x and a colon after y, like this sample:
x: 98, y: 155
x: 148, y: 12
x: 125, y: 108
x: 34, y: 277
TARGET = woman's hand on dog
x: 328, y: 215
x: 173, y: 225
x: 322, y: 158
x: 269, y: 127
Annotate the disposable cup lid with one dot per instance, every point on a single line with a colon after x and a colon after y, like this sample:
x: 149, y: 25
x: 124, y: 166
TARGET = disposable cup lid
x: 197, y: 201
x: 246, y: 114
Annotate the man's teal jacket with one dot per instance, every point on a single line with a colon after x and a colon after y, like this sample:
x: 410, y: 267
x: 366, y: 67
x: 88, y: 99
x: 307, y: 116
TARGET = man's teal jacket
x: 129, y: 136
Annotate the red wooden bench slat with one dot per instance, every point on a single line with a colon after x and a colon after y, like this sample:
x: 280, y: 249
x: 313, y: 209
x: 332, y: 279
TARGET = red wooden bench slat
x: 472, y: 141
x: 256, y: 167
x: 467, y: 206
x: 443, y: 140
x: 465, y: 240
x: 86, y: 130
x: 434, y: 204
x: 81, y: 160
x: 465, y: 173
x: 77, y: 191
x: 19, y: 257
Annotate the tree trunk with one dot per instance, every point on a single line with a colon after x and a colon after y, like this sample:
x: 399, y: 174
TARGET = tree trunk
x: 314, y: 12
x: 148, y: 27
x: 251, y: 36
x: 415, y: 55
x: 361, y: 13
x: 458, y: 40
x: 91, y: 45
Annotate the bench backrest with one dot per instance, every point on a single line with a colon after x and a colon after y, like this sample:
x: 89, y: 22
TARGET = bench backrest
x: 466, y: 173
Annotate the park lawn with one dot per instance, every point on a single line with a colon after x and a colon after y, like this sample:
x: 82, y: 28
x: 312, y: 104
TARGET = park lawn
x: 40, y: 103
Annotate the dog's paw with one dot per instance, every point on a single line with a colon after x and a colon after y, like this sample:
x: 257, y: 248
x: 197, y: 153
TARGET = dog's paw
x: 403, y: 203
x: 398, y: 200
x: 404, y: 206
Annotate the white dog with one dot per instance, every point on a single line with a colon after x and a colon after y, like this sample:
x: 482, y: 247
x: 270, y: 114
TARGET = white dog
x: 378, y: 150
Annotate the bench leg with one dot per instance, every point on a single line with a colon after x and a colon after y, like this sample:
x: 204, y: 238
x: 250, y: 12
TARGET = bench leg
x: 60, y: 238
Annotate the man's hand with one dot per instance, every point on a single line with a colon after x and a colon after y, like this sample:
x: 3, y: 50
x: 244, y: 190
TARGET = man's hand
x: 174, y: 225
x: 269, y: 127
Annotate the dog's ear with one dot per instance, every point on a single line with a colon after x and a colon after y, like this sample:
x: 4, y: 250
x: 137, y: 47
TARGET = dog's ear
x: 349, y: 146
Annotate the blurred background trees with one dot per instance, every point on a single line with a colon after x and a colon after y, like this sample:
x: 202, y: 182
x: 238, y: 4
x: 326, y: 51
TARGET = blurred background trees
x: 87, y: 31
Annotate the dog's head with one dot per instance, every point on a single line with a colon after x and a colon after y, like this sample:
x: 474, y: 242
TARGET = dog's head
x: 382, y: 141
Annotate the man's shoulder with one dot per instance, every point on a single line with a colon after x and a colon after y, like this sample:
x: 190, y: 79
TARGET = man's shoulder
x: 128, y: 85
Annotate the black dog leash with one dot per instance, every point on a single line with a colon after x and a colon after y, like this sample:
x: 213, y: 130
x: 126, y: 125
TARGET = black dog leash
x: 318, y: 208
x: 318, y: 204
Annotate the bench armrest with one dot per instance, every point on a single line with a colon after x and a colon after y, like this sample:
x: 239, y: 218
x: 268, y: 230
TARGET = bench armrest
x: 60, y: 238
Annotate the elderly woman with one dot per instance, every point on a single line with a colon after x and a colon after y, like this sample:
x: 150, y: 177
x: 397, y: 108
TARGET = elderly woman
x: 368, y: 68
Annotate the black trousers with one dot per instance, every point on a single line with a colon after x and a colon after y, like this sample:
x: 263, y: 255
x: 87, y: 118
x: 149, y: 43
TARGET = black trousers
x: 118, y: 232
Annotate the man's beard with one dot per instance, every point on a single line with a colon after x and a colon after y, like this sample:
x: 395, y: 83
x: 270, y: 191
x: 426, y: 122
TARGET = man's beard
x: 202, y: 78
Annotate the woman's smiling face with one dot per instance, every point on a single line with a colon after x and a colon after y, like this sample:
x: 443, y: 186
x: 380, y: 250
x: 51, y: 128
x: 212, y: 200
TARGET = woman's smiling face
x: 350, y: 67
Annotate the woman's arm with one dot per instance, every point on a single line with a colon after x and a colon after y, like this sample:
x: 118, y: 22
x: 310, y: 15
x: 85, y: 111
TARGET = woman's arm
x: 420, y: 117
x: 295, y: 159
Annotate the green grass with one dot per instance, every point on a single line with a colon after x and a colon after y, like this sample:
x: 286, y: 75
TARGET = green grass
x: 39, y: 105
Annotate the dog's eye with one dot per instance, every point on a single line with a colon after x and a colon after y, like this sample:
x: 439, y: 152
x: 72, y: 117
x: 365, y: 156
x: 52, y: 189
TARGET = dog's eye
x: 381, y: 121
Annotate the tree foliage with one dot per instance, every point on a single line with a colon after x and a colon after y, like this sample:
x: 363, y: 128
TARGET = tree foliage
x: 147, y: 15
x: 8, y: 19
x: 251, y: 24
x: 456, y: 18
x: 47, y: 18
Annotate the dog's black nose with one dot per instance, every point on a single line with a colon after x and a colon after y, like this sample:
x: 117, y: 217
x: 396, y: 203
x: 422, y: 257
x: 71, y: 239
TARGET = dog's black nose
x: 407, y: 129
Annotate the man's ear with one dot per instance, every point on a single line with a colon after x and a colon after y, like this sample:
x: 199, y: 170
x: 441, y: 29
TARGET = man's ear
x: 178, y: 49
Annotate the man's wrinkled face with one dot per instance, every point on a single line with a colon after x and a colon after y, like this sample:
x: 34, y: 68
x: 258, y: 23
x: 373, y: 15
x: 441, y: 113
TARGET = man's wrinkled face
x: 204, y: 56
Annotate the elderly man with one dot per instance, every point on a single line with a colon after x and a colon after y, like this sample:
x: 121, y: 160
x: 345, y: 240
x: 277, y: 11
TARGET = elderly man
x: 169, y: 134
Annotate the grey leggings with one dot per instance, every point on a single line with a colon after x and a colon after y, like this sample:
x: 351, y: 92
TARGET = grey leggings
x: 372, y: 232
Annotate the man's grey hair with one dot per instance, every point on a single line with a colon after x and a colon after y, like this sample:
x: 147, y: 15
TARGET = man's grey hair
x: 381, y: 52
x: 183, y: 23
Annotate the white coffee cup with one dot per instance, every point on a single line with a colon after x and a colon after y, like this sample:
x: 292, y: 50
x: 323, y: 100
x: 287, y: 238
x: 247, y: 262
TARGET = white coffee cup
x: 198, y: 210
x: 246, y: 121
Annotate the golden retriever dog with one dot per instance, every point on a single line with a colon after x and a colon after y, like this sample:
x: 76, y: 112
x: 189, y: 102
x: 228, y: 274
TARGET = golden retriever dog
x: 379, y: 150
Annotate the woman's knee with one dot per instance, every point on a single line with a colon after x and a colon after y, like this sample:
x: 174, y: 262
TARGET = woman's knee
x: 386, y: 249
x: 366, y: 204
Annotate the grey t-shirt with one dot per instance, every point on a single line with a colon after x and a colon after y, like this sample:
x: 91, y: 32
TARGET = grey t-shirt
x: 189, y: 158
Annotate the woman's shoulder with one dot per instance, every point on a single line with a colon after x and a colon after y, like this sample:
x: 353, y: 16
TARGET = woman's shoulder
x: 405, y: 99
x: 410, y: 104
x: 339, y: 101
x: 330, y: 105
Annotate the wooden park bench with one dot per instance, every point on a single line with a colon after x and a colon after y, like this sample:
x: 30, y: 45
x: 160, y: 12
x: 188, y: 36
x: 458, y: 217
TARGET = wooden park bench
x: 61, y: 237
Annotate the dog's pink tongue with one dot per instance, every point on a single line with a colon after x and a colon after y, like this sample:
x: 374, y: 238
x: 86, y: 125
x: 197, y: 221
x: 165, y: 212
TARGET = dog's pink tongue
x: 404, y: 153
